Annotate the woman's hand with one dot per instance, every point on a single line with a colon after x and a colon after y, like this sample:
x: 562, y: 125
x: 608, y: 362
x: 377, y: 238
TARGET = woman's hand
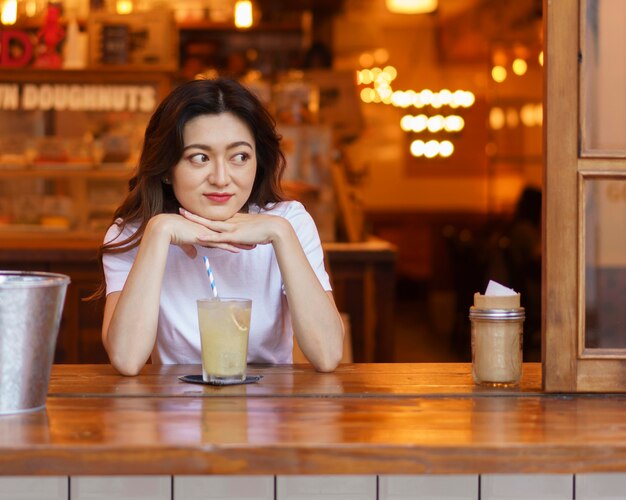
x: 186, y: 233
x: 241, y: 231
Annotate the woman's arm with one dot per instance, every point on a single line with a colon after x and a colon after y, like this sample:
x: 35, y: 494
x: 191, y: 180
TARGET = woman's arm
x: 316, y: 322
x: 131, y: 315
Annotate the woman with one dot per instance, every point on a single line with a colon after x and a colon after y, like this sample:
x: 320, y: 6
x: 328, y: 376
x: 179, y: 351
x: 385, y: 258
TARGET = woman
x: 207, y: 184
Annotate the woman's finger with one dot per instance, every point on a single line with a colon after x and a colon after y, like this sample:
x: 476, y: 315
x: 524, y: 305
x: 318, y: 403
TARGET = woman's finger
x: 219, y: 226
x: 223, y: 246
x: 192, y: 217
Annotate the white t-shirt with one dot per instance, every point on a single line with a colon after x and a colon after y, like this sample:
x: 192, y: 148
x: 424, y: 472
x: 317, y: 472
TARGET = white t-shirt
x: 252, y: 274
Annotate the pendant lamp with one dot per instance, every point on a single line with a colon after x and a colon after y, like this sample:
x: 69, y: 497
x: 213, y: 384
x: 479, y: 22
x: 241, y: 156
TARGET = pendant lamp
x: 411, y: 6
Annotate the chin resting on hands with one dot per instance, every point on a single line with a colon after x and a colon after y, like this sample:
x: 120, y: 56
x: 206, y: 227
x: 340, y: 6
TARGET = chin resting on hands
x: 243, y: 231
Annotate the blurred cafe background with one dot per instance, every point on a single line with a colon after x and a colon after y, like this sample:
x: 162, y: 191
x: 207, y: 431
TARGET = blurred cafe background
x: 412, y: 131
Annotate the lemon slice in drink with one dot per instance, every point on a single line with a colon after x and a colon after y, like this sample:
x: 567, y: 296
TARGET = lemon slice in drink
x: 240, y: 317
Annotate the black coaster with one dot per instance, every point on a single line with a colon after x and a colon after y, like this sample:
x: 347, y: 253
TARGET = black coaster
x: 197, y: 379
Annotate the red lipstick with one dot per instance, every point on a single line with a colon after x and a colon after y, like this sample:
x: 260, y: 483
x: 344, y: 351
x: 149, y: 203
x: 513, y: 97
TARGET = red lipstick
x: 219, y: 197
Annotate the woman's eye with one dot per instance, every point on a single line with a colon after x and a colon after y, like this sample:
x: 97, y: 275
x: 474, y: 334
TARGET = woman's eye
x: 199, y: 158
x: 241, y: 158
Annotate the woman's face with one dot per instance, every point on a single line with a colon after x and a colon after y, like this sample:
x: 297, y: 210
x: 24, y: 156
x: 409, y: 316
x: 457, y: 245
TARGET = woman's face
x: 215, y: 175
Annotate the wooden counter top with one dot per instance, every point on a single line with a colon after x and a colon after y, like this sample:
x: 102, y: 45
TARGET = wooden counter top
x: 362, y: 419
x: 360, y: 380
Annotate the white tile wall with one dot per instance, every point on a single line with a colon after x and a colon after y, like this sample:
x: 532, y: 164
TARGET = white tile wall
x: 600, y: 486
x: 452, y: 487
x: 223, y: 487
x: 27, y: 488
x: 121, y: 488
x: 535, y: 486
x: 342, y: 487
x: 336, y: 487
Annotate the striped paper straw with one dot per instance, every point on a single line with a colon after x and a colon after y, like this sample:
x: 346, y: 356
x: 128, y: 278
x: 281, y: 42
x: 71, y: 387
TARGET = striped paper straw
x: 210, y: 274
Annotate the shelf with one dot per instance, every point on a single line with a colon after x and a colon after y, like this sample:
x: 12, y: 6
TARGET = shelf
x: 35, y: 24
x: 74, y: 173
x: 103, y: 208
x: 20, y: 238
x: 101, y: 68
x: 229, y: 26
x: 159, y: 78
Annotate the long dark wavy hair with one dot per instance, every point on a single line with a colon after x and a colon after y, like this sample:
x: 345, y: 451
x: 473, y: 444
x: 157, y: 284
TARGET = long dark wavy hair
x: 163, y: 146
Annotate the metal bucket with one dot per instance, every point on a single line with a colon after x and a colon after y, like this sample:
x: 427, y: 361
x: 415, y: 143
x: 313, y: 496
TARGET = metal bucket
x: 31, y: 304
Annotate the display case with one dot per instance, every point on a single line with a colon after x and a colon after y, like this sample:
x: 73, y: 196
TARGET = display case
x: 68, y: 143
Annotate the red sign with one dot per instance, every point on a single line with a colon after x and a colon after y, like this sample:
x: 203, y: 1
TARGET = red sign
x: 16, y: 49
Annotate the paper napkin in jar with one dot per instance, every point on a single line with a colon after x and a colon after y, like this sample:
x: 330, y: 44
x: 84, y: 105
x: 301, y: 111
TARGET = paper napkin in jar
x: 497, y: 296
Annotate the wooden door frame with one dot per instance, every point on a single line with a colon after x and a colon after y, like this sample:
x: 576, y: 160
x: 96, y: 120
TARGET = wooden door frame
x: 567, y: 367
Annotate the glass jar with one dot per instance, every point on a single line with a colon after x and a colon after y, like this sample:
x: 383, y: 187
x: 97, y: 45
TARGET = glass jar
x: 497, y: 338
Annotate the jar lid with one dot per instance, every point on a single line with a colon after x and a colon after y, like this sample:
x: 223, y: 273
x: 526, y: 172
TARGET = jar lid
x: 516, y: 313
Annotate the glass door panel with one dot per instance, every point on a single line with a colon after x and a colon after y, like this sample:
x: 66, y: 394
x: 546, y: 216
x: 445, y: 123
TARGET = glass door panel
x: 603, y: 78
x: 605, y: 264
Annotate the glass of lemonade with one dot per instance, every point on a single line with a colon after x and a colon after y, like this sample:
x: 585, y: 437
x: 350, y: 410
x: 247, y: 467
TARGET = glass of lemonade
x: 224, y: 327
